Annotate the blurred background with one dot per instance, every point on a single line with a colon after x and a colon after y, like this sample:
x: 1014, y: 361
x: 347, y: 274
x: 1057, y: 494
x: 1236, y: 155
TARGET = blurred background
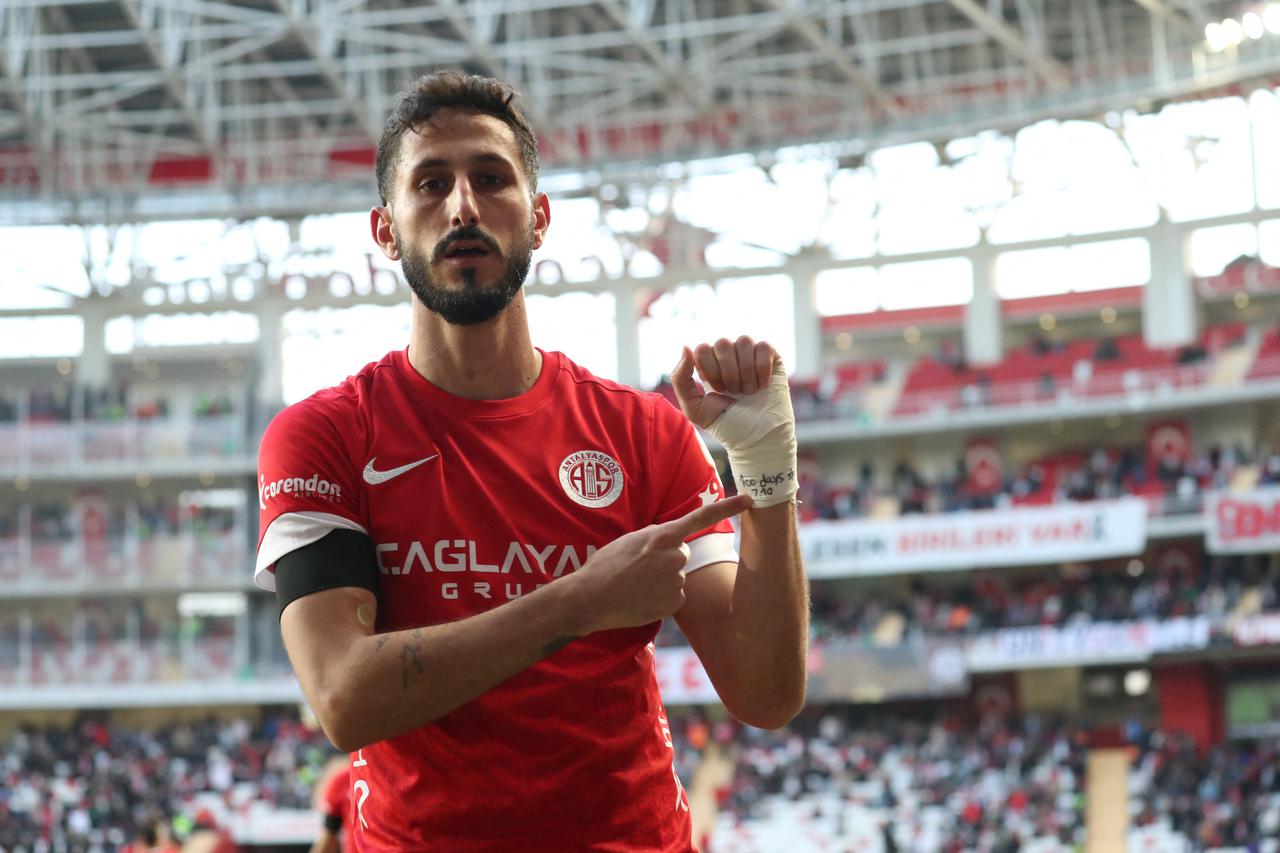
x: 1021, y: 256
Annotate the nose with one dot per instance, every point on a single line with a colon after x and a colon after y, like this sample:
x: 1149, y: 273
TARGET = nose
x: 462, y: 202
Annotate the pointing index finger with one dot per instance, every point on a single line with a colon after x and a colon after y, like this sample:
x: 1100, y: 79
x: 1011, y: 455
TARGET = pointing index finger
x: 705, y: 516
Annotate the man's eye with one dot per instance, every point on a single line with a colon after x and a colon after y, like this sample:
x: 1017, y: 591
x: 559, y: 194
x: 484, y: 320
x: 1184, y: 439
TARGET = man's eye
x: 491, y: 180
x: 431, y: 184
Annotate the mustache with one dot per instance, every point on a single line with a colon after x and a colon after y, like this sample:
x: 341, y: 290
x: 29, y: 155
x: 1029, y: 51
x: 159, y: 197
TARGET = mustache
x: 466, y: 232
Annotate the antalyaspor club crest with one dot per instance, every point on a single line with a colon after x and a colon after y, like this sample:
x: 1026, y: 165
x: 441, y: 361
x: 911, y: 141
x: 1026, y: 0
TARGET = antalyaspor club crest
x: 591, y: 478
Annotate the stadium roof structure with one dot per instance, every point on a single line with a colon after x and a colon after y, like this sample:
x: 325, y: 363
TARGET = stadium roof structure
x: 129, y: 110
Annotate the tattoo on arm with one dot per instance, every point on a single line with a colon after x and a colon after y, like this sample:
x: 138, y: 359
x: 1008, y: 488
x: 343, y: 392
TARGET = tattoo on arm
x: 382, y: 641
x: 410, y: 657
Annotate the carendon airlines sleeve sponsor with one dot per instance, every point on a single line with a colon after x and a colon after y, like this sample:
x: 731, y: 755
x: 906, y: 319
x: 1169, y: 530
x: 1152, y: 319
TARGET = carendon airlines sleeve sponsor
x: 314, y: 486
x: 305, y: 475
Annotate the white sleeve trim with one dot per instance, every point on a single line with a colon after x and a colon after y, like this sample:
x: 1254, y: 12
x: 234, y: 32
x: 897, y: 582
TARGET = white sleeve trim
x: 712, y: 548
x: 289, y: 532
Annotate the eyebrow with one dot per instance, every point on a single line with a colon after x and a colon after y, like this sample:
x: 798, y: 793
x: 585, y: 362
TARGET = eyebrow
x: 436, y: 162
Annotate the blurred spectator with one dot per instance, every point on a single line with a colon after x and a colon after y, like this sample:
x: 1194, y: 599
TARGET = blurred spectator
x: 45, y: 405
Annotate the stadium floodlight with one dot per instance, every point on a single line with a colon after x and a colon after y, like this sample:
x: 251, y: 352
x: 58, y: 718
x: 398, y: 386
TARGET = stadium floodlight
x: 1271, y: 18
x: 1232, y: 32
x: 1252, y: 25
x: 1137, y: 682
x: 1215, y: 37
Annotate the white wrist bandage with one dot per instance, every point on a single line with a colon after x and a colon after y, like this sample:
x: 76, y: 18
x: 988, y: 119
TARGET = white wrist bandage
x: 759, y: 433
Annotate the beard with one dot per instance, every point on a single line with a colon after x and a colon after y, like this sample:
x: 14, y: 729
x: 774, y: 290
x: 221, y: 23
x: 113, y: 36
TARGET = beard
x: 472, y: 303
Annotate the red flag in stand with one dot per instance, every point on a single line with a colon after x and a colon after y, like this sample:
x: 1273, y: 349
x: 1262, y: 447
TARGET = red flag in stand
x: 983, y: 466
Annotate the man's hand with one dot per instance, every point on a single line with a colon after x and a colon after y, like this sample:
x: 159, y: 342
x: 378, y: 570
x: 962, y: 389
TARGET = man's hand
x: 748, y: 411
x: 638, y: 578
x: 728, y: 369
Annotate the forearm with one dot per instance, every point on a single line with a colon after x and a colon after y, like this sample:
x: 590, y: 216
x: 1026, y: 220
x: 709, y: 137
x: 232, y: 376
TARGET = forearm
x: 328, y: 843
x: 383, y: 685
x: 764, y: 645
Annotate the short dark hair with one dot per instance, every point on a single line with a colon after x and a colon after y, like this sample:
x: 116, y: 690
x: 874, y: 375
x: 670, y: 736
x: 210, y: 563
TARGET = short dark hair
x: 453, y: 90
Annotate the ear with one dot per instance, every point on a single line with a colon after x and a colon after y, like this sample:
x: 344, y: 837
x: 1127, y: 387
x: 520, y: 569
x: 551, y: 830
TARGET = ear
x: 383, y: 234
x: 541, y: 218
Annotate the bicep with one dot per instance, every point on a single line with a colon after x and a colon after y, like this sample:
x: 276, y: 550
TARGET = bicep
x: 327, y: 596
x: 708, y: 600
x: 317, y: 628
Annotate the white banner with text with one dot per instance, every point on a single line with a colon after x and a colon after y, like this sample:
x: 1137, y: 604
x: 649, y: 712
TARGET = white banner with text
x: 1019, y: 536
x: 1261, y: 629
x: 1085, y: 644
x: 1243, y: 522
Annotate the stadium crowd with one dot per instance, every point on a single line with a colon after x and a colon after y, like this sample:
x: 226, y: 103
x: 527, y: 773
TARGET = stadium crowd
x: 1174, y: 483
x: 1225, y: 589
x: 939, y: 785
x: 105, y: 537
x: 1227, y: 797
x: 926, y: 786
x: 149, y: 515
x: 94, y: 786
x: 126, y: 641
x: 57, y: 404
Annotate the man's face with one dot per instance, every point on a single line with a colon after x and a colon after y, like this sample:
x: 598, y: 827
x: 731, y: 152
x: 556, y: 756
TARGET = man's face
x: 463, y: 220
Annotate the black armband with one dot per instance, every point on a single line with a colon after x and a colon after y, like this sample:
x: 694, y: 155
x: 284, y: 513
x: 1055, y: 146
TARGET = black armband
x: 340, y: 558
x: 333, y: 822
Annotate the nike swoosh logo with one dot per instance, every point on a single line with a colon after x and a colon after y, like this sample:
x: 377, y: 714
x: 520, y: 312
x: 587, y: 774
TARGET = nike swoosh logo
x: 373, y: 477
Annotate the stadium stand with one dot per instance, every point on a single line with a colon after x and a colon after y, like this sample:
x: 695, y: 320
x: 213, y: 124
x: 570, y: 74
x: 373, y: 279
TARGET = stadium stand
x: 1041, y: 372
x: 1171, y: 484
x: 1267, y: 364
x: 1225, y: 589
x: 1222, y: 798
x: 834, y: 781
x: 924, y: 785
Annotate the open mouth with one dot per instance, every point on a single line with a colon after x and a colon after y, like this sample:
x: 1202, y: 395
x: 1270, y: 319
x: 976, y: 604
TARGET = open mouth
x: 467, y: 249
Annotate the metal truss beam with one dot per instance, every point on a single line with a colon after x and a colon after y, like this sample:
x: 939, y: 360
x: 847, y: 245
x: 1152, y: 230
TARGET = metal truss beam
x: 836, y: 55
x: 1049, y: 69
x: 1162, y: 10
x: 292, y: 93
x: 633, y: 25
x: 17, y: 26
x: 477, y: 29
x: 318, y: 26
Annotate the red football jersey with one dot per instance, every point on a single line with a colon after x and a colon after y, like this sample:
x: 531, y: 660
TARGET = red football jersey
x: 472, y: 503
x: 335, y: 800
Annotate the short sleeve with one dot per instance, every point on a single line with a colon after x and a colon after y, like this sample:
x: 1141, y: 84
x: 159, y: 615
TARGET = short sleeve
x: 690, y: 478
x: 307, y: 485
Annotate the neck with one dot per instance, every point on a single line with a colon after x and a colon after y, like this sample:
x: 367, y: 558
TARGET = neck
x: 486, y: 361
